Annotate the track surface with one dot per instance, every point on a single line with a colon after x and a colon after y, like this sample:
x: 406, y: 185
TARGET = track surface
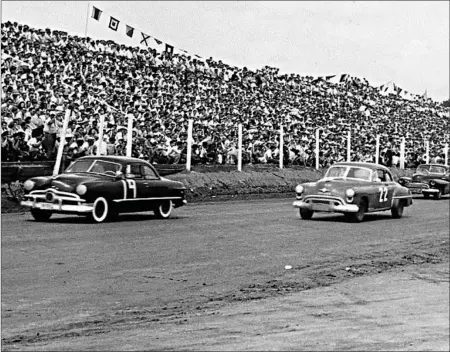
x: 68, y: 280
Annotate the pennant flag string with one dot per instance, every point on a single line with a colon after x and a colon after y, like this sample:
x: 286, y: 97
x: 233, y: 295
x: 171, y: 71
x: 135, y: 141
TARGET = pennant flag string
x: 114, y: 24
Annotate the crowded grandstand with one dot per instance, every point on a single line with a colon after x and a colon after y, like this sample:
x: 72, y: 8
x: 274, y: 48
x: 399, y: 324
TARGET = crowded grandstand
x: 46, y: 72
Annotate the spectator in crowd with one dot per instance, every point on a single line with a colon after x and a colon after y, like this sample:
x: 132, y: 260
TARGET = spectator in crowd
x: 162, y: 92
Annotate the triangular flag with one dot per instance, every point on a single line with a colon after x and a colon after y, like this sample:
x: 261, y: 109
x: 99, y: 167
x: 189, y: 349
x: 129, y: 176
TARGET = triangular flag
x: 169, y: 49
x: 96, y: 13
x: 113, y: 24
x: 158, y: 41
x: 198, y: 56
x: 329, y: 77
x: 129, y: 31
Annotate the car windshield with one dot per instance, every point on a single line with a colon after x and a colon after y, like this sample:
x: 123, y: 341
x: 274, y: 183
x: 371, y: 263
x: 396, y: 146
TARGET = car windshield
x: 93, y: 166
x: 423, y: 170
x: 351, y: 172
x: 437, y: 169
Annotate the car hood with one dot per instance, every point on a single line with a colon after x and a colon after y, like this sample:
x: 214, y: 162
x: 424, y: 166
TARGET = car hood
x: 334, y: 187
x: 424, y: 178
x: 68, y: 182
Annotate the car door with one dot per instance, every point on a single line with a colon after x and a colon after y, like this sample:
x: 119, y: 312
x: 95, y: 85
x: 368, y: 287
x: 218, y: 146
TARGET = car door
x: 384, y: 189
x: 388, y: 188
x: 155, y: 187
x: 135, y: 187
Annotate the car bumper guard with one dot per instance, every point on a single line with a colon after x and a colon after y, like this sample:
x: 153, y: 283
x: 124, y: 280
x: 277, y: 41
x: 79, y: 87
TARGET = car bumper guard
x: 430, y: 190
x: 341, y: 208
x: 58, y: 207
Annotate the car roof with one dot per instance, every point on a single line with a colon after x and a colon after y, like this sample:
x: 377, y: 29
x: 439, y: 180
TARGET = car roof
x: 371, y: 166
x: 442, y: 165
x: 123, y: 160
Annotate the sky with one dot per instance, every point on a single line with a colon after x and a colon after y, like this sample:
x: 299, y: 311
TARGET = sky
x: 406, y: 42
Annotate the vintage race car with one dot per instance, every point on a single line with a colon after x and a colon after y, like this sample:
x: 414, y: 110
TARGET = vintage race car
x: 429, y: 180
x: 353, y: 189
x: 101, y: 188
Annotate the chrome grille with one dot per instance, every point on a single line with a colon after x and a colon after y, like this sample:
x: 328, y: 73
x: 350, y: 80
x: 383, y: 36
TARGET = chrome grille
x: 54, y: 196
x: 324, y: 200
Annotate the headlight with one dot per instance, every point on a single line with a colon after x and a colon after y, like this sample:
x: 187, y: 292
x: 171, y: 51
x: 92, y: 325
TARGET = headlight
x: 350, y: 193
x: 432, y: 183
x: 81, y: 189
x: 28, y: 185
x: 299, y: 189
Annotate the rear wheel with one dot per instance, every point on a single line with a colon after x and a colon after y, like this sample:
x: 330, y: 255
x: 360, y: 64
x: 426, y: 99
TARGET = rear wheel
x: 306, y: 214
x: 359, y: 215
x: 41, y: 215
x: 438, y: 195
x: 397, y: 210
x: 164, y: 209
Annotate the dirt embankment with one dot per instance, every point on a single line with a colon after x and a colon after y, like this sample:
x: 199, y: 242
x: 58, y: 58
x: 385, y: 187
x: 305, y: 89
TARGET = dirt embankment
x: 251, y: 183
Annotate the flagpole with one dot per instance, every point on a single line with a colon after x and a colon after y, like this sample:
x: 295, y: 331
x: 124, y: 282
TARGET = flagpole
x: 87, y: 20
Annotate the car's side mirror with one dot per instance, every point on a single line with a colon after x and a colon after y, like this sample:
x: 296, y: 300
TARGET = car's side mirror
x: 119, y: 175
x: 377, y: 179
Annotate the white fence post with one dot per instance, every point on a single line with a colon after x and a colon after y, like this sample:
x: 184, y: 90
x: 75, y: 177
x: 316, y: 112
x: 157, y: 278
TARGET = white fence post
x: 377, y: 150
x: 189, y: 145
x: 446, y: 154
x: 100, y: 133
x: 240, y: 147
x: 317, y: 149
x: 402, y: 154
x: 130, y: 135
x: 281, y: 146
x: 62, y: 141
x: 349, y: 145
x: 427, y: 156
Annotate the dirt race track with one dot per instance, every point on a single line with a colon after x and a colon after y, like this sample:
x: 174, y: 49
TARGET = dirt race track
x: 213, y: 278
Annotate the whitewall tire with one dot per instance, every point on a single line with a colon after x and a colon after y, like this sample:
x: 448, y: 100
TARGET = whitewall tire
x: 164, y: 209
x: 101, y: 210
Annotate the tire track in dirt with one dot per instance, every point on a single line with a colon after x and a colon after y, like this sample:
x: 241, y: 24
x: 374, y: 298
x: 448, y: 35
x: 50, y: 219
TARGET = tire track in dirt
x: 332, y: 266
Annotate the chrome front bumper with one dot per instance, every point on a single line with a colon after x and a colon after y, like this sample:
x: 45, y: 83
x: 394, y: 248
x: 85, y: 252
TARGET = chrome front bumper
x: 430, y: 190
x: 54, y: 207
x: 417, y: 187
x: 341, y: 208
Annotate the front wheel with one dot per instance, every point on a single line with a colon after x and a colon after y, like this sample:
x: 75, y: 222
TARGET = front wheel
x: 306, y: 214
x: 360, y: 214
x: 41, y: 215
x: 164, y: 209
x: 100, y: 211
x: 397, y: 210
x: 438, y: 195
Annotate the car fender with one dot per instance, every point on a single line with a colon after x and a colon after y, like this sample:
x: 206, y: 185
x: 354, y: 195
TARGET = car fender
x: 401, y: 193
x: 40, y: 182
x: 439, y: 181
x: 110, y: 190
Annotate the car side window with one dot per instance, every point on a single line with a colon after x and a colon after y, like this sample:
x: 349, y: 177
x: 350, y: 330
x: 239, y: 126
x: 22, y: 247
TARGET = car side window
x: 148, y: 173
x: 380, y: 174
x: 134, y: 171
x: 388, y: 177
